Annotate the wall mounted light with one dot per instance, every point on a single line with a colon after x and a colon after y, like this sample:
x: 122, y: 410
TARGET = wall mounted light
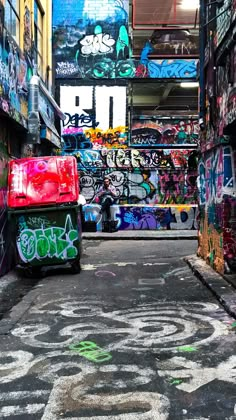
x: 189, y: 84
x: 190, y: 4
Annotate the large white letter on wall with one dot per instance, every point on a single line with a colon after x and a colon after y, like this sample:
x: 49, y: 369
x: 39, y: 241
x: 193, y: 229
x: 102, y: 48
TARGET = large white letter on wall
x: 101, y: 107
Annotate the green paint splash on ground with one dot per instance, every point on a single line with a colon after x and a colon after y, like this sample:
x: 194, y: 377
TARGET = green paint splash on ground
x: 91, y: 351
x: 188, y: 349
x: 176, y: 381
x: 233, y: 325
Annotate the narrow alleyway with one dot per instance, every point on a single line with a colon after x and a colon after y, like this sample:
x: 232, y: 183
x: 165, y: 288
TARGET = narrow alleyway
x: 134, y: 336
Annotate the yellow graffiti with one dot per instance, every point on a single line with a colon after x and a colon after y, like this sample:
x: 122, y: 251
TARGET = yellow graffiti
x: 210, y: 245
x: 112, y: 138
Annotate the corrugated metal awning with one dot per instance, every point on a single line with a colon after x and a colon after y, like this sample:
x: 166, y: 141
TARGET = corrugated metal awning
x: 48, y: 130
x: 162, y: 12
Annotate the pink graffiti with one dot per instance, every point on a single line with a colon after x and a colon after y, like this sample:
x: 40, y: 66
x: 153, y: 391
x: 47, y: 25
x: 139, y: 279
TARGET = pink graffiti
x: 72, y: 130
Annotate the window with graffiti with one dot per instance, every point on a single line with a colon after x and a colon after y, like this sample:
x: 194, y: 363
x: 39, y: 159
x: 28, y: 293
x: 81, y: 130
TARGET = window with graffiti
x: 163, y: 132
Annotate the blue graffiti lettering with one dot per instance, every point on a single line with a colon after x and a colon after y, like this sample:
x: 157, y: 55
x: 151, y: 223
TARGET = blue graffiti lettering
x: 181, y: 69
x: 79, y: 121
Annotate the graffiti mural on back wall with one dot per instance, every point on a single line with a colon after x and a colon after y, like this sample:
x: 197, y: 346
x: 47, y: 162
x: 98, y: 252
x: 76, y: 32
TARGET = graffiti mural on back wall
x: 143, y: 186
x: 129, y: 69
x: 145, y: 218
x: 140, y: 176
x: 93, y: 42
x: 95, y: 116
x: 170, y: 159
x: 164, y: 132
x: 170, y: 42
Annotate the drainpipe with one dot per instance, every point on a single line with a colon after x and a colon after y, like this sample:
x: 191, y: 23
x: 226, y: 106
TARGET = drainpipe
x: 202, y: 42
x: 33, y: 112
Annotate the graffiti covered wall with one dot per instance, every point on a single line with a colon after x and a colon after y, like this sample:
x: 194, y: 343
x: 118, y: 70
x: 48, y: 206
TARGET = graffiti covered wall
x: 159, y: 217
x: 5, y: 251
x: 217, y: 186
x: 217, y: 240
x: 168, y: 42
x: 156, y: 189
x: 164, y: 132
x: 15, y: 71
x: 93, y: 43
x: 96, y: 116
x: 140, y: 176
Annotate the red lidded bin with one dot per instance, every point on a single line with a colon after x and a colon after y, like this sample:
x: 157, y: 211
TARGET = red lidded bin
x: 42, y: 181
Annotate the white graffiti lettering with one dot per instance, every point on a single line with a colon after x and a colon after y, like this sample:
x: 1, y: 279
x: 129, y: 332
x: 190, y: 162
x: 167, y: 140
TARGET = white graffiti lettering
x: 48, y: 242
x: 98, y: 43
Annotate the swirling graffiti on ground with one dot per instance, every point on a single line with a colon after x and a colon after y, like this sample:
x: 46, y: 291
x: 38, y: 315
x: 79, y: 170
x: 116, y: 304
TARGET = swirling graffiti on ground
x: 73, y: 386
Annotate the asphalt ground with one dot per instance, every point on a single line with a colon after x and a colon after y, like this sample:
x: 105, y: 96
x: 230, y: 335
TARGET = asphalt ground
x: 135, y: 335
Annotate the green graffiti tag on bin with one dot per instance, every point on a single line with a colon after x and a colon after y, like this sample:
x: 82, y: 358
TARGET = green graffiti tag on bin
x: 91, y: 351
x: 51, y: 242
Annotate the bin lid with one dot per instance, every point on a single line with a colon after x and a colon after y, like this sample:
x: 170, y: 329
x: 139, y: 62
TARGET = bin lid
x: 42, y: 181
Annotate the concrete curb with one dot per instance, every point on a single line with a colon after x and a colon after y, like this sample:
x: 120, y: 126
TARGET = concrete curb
x: 138, y: 235
x: 224, y: 292
x: 18, y: 311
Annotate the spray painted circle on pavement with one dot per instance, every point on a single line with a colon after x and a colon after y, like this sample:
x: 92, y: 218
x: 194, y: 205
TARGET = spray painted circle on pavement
x: 104, y: 273
x: 169, y: 326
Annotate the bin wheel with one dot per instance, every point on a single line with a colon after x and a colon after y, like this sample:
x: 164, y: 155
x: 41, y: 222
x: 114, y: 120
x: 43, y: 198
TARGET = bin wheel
x: 32, y: 272
x: 75, y: 267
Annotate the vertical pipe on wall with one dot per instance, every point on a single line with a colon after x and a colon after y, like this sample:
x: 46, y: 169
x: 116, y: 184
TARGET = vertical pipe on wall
x: 175, y: 11
x: 111, y: 111
x: 202, y: 43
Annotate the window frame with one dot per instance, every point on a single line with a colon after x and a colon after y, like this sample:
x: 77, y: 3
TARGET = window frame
x: 16, y: 15
x: 38, y: 37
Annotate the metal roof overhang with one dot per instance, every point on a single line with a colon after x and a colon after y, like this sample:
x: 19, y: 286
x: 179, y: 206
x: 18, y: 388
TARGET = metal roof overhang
x: 48, y: 130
